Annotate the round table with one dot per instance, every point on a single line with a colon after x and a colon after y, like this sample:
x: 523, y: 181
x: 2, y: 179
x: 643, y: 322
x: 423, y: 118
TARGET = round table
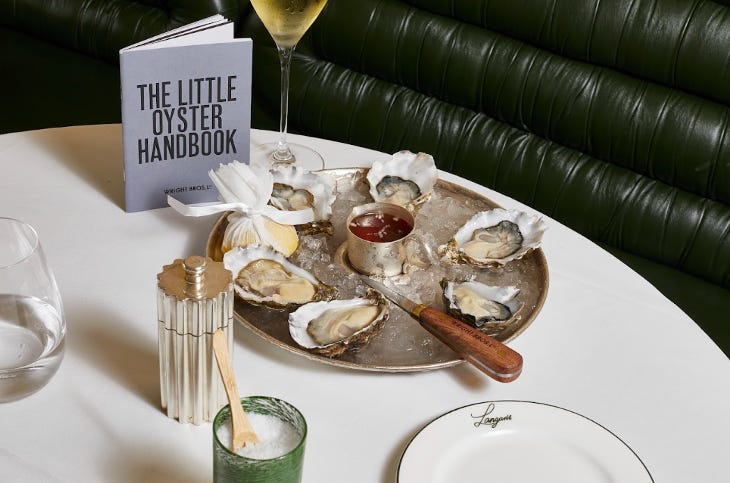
x: 606, y: 345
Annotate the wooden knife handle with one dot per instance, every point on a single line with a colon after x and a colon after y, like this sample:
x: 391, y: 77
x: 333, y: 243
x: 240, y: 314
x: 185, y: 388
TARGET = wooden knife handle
x: 486, y: 353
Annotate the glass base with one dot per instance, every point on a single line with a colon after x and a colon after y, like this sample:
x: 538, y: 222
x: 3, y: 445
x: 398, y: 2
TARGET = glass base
x: 304, y: 157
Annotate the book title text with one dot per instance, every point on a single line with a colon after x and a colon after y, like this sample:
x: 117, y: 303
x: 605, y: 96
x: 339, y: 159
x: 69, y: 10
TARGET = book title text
x: 187, y: 118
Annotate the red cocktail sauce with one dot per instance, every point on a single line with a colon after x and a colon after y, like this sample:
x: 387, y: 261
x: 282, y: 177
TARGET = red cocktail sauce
x: 379, y: 227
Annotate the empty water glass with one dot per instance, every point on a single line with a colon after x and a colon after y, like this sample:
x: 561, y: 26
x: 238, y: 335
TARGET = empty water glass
x: 32, y: 326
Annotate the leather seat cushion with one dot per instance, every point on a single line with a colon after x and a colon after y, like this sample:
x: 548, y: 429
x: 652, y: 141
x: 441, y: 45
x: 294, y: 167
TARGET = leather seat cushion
x: 46, y: 85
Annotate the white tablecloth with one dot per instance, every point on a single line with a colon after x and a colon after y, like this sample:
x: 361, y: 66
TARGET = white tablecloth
x: 606, y: 345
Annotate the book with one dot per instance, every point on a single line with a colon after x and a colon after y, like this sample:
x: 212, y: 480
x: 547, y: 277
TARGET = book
x: 186, y: 109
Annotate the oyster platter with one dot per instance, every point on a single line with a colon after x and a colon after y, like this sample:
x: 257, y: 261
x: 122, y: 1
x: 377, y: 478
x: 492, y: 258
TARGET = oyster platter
x: 285, y: 241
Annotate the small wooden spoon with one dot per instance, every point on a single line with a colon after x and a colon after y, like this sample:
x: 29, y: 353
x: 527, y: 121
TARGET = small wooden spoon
x: 242, y: 431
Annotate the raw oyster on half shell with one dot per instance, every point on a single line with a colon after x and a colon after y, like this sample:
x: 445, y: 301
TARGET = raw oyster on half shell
x: 495, y: 237
x: 407, y: 179
x: 296, y: 188
x: 331, y: 328
x: 264, y: 277
x: 478, y: 304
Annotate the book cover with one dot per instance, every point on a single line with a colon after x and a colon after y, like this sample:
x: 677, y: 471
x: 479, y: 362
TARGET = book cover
x: 186, y: 108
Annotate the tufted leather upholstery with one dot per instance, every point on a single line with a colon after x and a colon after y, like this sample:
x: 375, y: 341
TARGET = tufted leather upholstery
x: 60, y: 57
x: 611, y: 117
x: 101, y: 28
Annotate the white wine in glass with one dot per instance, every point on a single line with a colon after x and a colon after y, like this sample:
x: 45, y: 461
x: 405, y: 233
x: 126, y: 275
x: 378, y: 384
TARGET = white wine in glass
x: 286, y: 22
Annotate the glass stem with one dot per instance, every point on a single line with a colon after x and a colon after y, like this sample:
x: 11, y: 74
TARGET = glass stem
x: 283, y: 153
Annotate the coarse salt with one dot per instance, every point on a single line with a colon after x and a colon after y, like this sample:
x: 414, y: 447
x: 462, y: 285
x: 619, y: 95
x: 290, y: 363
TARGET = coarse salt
x: 276, y: 437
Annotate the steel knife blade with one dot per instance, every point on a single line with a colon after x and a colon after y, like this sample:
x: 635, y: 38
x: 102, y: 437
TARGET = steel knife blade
x: 484, y: 352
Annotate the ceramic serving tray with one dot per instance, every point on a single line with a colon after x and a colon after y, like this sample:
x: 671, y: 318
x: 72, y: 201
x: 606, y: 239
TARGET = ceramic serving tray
x: 403, y: 345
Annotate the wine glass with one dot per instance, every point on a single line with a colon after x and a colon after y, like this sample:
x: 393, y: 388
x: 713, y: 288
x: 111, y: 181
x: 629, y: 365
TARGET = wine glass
x: 32, y: 326
x: 286, y: 22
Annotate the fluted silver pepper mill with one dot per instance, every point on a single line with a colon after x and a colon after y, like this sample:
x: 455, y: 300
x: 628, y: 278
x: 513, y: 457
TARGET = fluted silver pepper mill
x: 194, y: 299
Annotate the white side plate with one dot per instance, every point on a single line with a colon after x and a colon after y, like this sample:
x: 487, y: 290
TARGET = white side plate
x: 518, y: 441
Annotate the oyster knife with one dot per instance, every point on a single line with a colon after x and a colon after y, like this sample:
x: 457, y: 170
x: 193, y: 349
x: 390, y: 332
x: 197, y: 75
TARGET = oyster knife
x: 484, y: 352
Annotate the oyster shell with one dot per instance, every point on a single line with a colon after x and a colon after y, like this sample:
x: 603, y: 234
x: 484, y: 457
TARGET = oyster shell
x: 296, y: 188
x: 407, y: 179
x: 264, y: 277
x: 495, y: 237
x: 486, y: 307
x: 331, y: 328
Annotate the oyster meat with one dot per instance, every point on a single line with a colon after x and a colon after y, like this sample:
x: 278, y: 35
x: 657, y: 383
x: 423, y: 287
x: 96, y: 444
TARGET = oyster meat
x: 331, y: 328
x: 407, y: 179
x: 495, y: 237
x: 394, y: 189
x: 296, y: 188
x: 498, y: 241
x: 339, y: 323
x: 264, y: 277
x: 285, y: 197
x: 481, y: 305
